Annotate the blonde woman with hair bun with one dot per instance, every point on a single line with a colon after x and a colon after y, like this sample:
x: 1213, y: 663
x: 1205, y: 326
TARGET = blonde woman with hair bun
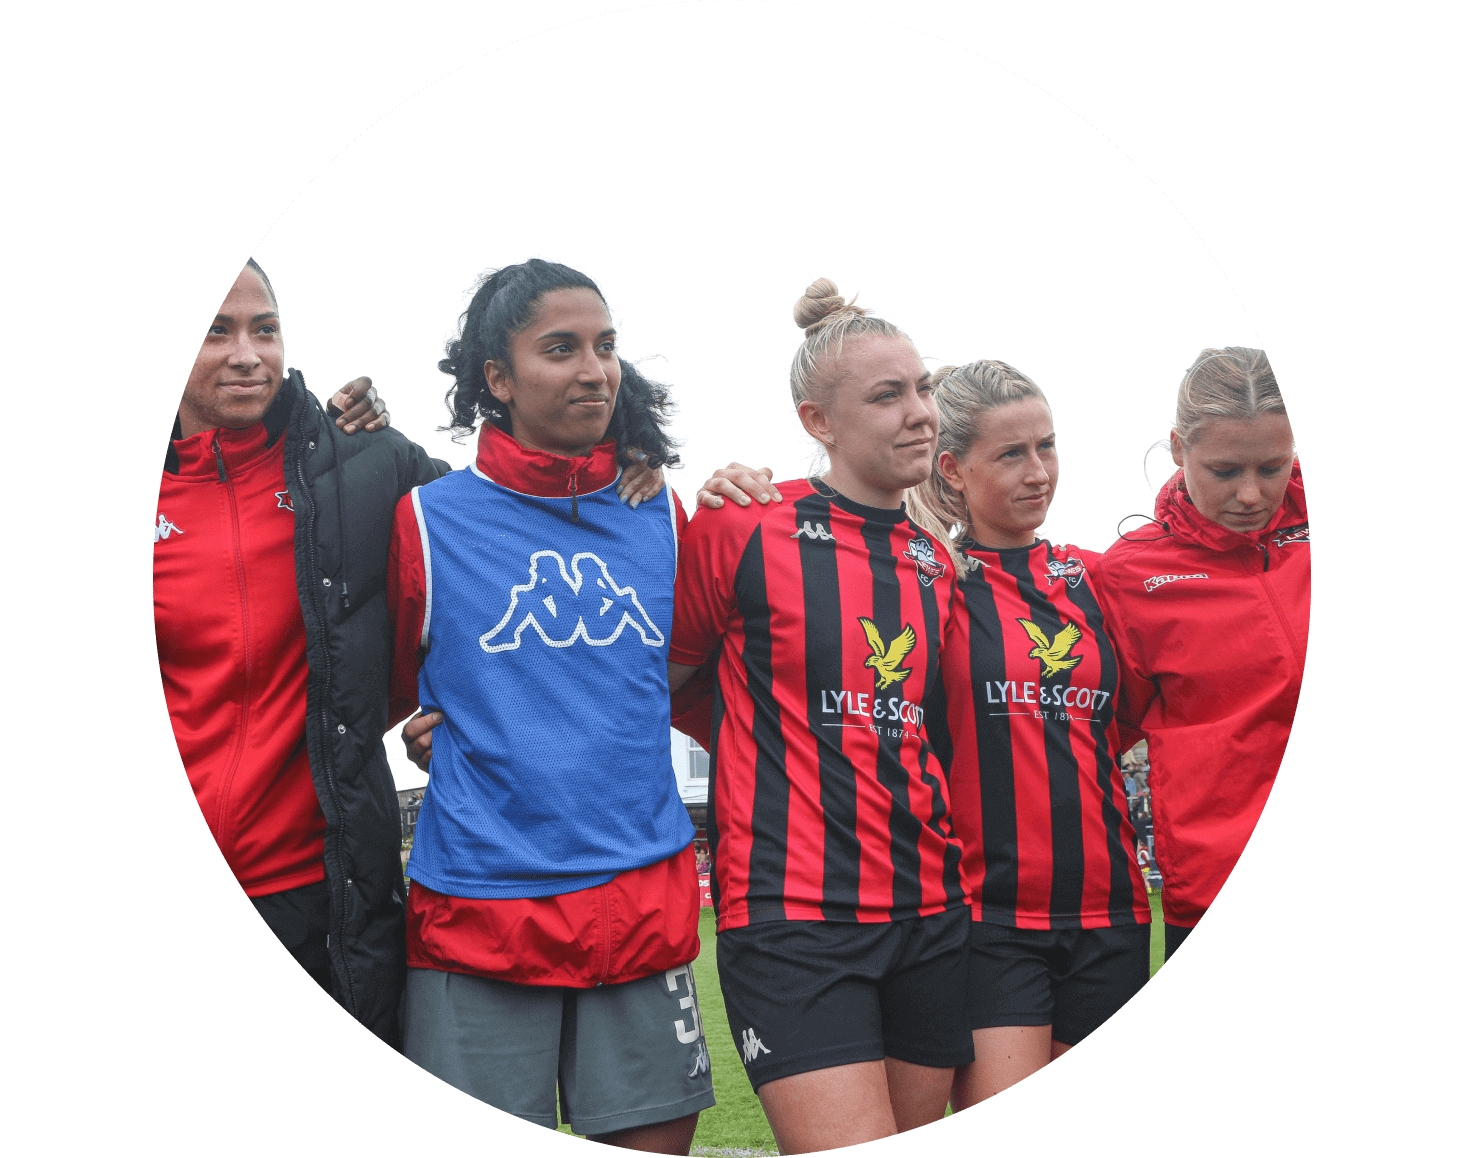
x: 1209, y: 605
x: 841, y: 909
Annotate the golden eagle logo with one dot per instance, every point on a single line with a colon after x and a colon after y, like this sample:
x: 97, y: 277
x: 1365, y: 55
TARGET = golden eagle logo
x: 887, y: 661
x: 1054, y: 654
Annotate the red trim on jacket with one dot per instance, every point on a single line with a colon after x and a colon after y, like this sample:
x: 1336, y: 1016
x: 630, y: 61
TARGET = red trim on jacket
x: 643, y: 921
x: 231, y: 647
x: 1211, y: 631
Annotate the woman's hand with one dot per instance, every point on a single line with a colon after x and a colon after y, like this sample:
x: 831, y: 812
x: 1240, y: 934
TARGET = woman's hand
x: 738, y: 482
x: 356, y: 401
x: 417, y: 736
x: 639, y: 482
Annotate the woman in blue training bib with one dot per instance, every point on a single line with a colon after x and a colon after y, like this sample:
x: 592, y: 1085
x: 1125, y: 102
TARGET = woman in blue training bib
x: 553, y: 912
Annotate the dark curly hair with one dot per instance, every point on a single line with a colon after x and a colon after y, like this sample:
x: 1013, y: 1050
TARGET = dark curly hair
x: 504, y: 304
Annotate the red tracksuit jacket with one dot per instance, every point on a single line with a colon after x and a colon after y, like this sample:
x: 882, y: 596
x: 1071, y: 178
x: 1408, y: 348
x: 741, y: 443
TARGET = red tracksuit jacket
x: 1211, y: 629
x: 230, y: 637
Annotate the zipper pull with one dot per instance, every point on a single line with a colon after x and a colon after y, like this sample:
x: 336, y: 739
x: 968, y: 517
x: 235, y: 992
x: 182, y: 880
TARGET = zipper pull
x: 345, y: 595
x: 219, y: 455
x: 573, y: 500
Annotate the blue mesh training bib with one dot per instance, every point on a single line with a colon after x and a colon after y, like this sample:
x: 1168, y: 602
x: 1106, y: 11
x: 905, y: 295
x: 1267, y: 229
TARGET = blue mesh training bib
x: 547, y: 643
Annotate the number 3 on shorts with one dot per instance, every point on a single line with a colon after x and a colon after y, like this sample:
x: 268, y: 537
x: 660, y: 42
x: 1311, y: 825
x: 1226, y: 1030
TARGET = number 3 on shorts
x: 683, y: 1034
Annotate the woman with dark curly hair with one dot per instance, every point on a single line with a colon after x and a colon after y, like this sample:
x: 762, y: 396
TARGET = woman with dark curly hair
x: 552, y: 917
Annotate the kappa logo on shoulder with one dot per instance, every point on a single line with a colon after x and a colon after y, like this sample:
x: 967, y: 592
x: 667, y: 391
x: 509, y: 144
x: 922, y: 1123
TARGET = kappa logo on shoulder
x: 164, y: 528
x: 1285, y: 536
x: 568, y: 603
x: 927, y: 566
x: 1070, y: 569
x: 814, y: 531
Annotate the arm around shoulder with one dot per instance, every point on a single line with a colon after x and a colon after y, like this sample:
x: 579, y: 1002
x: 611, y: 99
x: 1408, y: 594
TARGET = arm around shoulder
x: 406, y: 604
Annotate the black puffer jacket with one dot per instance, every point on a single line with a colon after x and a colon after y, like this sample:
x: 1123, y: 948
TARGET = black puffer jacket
x: 345, y: 490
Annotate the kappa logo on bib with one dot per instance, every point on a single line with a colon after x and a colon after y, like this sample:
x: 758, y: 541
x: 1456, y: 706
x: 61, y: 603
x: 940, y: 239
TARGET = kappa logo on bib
x: 568, y: 603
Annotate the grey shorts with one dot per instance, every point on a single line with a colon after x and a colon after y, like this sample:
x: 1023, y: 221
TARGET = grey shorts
x: 621, y: 1055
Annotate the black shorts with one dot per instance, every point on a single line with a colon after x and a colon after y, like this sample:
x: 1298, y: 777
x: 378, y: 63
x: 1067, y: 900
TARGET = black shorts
x: 808, y: 995
x: 1174, y: 936
x: 300, y: 918
x: 1071, y: 979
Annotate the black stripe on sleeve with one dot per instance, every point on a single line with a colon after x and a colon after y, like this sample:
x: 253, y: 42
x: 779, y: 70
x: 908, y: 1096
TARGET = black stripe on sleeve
x: 904, y: 828
x: 1120, y: 883
x: 768, y: 855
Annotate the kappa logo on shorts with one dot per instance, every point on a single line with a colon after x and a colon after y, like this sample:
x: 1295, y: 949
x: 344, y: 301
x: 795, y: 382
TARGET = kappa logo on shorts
x: 922, y: 554
x: 752, y: 1046
x: 164, y: 528
x: 703, y: 1062
x: 569, y: 596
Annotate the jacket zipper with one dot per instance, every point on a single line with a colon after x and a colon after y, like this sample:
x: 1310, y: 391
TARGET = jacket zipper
x: 1276, y: 606
x: 228, y: 784
x: 339, y: 930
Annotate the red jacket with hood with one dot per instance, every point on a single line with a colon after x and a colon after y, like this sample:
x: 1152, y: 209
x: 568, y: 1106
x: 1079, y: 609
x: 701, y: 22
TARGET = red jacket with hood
x: 1211, y: 628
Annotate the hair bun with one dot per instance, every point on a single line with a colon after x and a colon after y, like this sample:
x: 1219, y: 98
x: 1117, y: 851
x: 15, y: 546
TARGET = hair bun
x: 820, y: 303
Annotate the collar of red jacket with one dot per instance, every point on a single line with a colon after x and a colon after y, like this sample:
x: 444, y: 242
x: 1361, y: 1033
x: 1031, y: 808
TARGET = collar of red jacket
x: 239, y: 449
x: 1173, y: 508
x: 537, y: 472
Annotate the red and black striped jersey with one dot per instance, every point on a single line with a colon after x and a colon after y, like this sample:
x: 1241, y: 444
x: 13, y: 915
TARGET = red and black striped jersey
x: 825, y: 619
x: 1030, y: 740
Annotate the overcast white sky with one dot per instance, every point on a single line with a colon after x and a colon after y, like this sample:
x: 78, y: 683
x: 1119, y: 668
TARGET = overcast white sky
x: 972, y: 209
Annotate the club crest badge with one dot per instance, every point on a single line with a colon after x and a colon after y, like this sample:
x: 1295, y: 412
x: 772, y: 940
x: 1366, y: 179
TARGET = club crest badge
x: 922, y: 554
x: 1285, y: 536
x: 1070, y: 569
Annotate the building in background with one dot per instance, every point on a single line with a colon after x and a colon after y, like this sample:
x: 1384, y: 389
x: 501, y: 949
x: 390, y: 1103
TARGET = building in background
x: 692, y: 764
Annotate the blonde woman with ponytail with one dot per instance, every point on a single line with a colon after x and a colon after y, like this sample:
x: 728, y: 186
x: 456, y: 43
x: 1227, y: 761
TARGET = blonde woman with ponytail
x: 1060, y: 932
x: 1209, y: 605
x: 841, y: 911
